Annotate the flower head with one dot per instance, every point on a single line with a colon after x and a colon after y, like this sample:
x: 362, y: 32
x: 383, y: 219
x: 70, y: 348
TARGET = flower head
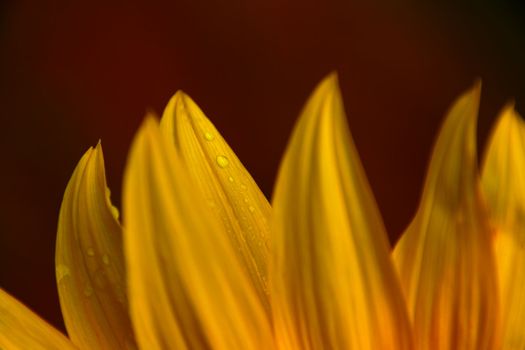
x: 201, y: 260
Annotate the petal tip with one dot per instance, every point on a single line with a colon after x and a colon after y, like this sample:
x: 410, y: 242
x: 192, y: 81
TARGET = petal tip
x: 330, y: 83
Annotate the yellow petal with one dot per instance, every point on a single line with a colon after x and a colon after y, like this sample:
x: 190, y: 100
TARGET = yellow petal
x: 504, y: 187
x: 186, y: 286
x: 237, y: 204
x: 21, y: 329
x: 333, y: 282
x: 444, y: 258
x: 90, y: 263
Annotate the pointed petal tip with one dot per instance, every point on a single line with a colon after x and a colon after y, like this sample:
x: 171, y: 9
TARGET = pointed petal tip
x: 325, y: 102
x: 332, y: 77
x: 98, y: 148
x: 476, y: 86
x: 181, y: 107
x: 475, y: 93
x: 508, y: 116
x: 329, y: 84
x: 150, y: 122
x: 182, y: 99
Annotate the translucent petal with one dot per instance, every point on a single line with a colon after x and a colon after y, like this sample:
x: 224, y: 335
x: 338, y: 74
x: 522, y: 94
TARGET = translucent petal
x: 89, y: 261
x: 444, y: 258
x: 21, y: 329
x: 504, y: 187
x: 333, y: 282
x: 237, y: 204
x: 187, y: 287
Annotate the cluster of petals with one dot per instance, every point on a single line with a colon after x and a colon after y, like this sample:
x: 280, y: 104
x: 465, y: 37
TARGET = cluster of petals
x: 201, y: 260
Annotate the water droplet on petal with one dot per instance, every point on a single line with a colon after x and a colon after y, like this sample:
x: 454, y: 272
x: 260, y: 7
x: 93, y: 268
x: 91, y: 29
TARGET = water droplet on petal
x: 230, y: 179
x: 90, y: 252
x: 105, y: 259
x: 222, y: 161
x: 115, y: 212
x: 61, y: 272
x: 208, y: 136
x: 243, y: 187
x: 251, y: 208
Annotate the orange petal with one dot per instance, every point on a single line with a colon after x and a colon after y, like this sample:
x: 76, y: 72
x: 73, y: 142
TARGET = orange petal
x: 90, y: 263
x: 21, y: 329
x: 187, y: 287
x: 504, y: 187
x: 238, y: 206
x: 445, y: 258
x: 333, y: 282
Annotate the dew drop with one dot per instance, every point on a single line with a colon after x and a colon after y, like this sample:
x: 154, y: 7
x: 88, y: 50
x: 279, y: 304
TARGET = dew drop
x: 230, y: 179
x: 88, y: 291
x: 105, y: 259
x: 90, y: 252
x: 114, y: 212
x: 222, y: 161
x: 61, y: 272
x: 251, y: 208
x: 208, y: 136
x: 243, y: 187
x: 246, y: 200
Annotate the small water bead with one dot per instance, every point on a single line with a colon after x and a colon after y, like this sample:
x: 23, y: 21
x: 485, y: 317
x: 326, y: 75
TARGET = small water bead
x: 246, y: 200
x: 105, y: 259
x: 251, y: 208
x: 61, y: 272
x: 230, y: 179
x: 208, y: 136
x: 222, y: 161
x: 243, y: 187
x: 90, y: 252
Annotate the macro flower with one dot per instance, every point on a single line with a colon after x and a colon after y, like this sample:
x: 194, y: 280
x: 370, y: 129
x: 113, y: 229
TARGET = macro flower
x: 202, y: 261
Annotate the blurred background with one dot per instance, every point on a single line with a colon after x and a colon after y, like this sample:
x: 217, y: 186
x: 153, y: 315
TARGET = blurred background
x: 74, y: 73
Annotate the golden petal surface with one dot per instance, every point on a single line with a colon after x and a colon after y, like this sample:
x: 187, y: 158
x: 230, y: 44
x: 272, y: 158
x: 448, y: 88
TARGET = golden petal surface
x: 187, y: 287
x: 89, y: 261
x: 445, y: 258
x: 22, y: 329
x: 333, y: 282
x: 503, y: 181
x: 239, y: 207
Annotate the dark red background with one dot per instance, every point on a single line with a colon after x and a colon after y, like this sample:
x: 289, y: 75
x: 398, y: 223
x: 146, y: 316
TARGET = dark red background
x: 72, y: 73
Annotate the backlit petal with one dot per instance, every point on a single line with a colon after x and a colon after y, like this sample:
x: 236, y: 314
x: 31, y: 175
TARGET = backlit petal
x: 237, y: 204
x: 333, y: 283
x: 504, y: 187
x: 444, y: 258
x: 21, y: 329
x: 90, y: 263
x: 186, y: 285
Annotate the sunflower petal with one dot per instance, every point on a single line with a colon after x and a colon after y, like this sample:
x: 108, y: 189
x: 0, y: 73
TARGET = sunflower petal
x: 89, y: 261
x: 238, y: 205
x: 333, y: 283
x: 187, y: 287
x: 21, y: 329
x: 504, y: 187
x: 444, y: 258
